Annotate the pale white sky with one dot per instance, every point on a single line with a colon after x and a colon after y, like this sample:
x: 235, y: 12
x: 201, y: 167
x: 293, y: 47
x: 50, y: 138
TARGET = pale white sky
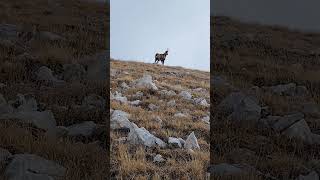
x: 141, y: 28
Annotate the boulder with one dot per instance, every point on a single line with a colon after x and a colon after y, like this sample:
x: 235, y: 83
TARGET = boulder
x: 175, y: 142
x: 311, y: 176
x: 85, y: 129
x: 142, y: 136
x: 29, y: 166
x: 119, y: 120
x: 185, y: 95
x: 247, y: 110
x: 46, y: 74
x: 145, y: 82
x: 158, y: 159
x: 191, y: 142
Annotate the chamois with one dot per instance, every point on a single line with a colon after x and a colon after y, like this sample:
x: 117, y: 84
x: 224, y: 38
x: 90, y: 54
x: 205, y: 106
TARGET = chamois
x: 161, y: 57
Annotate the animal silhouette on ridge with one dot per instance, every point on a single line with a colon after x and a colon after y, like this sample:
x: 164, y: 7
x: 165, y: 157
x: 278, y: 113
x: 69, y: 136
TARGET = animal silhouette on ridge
x: 161, y: 57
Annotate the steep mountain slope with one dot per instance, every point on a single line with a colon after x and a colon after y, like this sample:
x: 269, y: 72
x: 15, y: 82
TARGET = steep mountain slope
x: 265, y: 100
x: 52, y: 114
x: 152, y: 106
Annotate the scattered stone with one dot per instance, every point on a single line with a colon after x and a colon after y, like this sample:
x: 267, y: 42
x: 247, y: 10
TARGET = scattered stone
x: 165, y: 93
x: 220, y: 83
x: 283, y: 89
x: 158, y: 158
x: 135, y: 103
x: 119, y: 120
x: 118, y: 97
x: 50, y: 36
x: 26, y: 103
x: 180, y: 115
x: 286, y: 121
x: 311, y: 176
x: 171, y: 103
x: 225, y: 169
x: 142, y: 136
x: 231, y: 102
x: 206, y: 119
x: 152, y: 107
x: 145, y: 82
x: 124, y: 86
x: 62, y: 131
x: 85, y: 129
x: 138, y: 95
x: 311, y: 109
x: 301, y: 130
x: 43, y: 120
x: 45, y: 74
x: 242, y: 155
x: 302, y: 91
x: 247, y: 110
x: 175, y: 142
x: 185, y: 95
x: 191, y: 142
x: 201, y: 102
x: 29, y: 166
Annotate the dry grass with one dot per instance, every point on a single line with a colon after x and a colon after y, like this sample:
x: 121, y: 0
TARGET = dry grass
x: 131, y: 162
x: 275, y: 56
x: 85, y: 26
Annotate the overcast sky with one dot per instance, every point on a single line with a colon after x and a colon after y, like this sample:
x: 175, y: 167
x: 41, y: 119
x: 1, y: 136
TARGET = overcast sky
x: 141, y: 28
x: 299, y: 14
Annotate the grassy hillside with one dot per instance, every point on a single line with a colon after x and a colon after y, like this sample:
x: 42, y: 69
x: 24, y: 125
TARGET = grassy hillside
x: 135, y: 161
x: 254, y: 60
x: 69, y: 32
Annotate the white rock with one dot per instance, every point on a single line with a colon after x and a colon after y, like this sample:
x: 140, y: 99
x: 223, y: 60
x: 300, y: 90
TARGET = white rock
x: 185, y: 95
x: 175, y: 142
x: 119, y: 119
x: 158, y: 158
x: 142, y: 136
x: 180, y: 115
x: 152, y: 107
x: 191, y: 142
x: 206, y: 119
x: 135, y: 103
x: 124, y: 86
x: 171, y: 103
x: 145, y: 82
x: 118, y: 97
x: 165, y: 93
x: 201, y: 102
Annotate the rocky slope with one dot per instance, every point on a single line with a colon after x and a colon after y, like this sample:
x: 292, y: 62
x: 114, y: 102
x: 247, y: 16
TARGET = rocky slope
x: 52, y: 90
x: 265, y: 100
x: 159, y: 121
